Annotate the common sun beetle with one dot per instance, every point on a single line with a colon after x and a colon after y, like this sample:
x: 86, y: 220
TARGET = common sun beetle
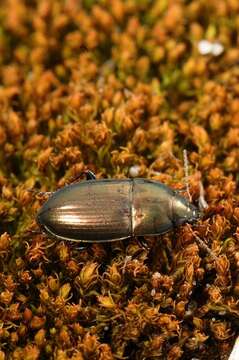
x: 113, y: 209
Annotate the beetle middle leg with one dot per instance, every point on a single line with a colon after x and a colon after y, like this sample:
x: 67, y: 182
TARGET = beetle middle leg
x: 88, y: 174
x: 141, y: 241
x: 82, y: 246
x: 40, y: 193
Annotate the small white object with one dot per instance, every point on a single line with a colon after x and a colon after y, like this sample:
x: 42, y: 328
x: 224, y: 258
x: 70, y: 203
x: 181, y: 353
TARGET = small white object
x: 222, y: 313
x: 205, y: 47
x: 201, y: 201
x: 127, y: 93
x: 235, y: 351
x: 134, y: 170
x: 153, y: 292
x: 127, y: 259
x: 156, y: 275
x: 188, y: 313
x: 186, y: 172
x: 217, y: 49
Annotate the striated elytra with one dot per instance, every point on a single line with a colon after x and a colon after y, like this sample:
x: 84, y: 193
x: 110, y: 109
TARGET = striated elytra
x: 110, y: 209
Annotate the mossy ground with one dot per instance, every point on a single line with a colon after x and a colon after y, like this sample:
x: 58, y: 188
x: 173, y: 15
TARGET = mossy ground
x: 107, y: 85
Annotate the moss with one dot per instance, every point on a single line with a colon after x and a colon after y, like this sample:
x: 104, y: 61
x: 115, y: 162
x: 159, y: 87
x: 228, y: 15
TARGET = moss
x: 107, y: 86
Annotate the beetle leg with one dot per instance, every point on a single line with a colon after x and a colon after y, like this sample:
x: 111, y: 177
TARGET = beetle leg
x: 29, y: 232
x: 40, y: 193
x: 43, y: 193
x: 85, y: 246
x: 186, y: 177
x: 88, y: 174
x: 35, y: 232
x: 180, y: 191
x: 142, y: 242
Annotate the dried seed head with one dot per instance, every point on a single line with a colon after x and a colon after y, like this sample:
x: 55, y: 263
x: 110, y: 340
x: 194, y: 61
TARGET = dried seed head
x: 221, y: 330
x: 40, y: 337
x: 4, y: 241
x: 73, y: 267
x: 43, y: 158
x: 53, y: 283
x: 88, y: 275
x: 27, y: 315
x: 113, y: 275
x: 169, y: 323
x: 65, y: 290
x: 25, y: 277
x: 31, y: 352
x: 107, y: 302
x: 175, y: 353
x: 37, y: 322
x: 214, y: 294
x: 89, y: 344
x: 64, y: 336
x: 196, y: 341
x: 71, y: 311
x: 6, y: 297
x: 180, y: 309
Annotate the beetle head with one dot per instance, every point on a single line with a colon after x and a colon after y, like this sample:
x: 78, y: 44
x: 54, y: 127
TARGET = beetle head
x: 183, y: 211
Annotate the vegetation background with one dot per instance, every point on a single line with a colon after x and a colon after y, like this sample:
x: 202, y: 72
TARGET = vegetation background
x: 121, y: 88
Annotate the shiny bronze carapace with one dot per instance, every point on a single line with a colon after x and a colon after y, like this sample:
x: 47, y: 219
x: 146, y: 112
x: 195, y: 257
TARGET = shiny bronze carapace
x: 109, y: 210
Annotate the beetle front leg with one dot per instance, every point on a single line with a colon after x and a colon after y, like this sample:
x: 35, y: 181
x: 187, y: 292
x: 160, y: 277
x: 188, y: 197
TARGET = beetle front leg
x: 88, y: 174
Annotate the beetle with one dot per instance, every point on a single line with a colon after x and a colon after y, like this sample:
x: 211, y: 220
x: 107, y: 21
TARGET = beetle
x: 107, y: 210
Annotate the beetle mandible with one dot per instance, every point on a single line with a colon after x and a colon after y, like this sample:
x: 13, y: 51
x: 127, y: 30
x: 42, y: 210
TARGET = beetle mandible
x: 113, y: 209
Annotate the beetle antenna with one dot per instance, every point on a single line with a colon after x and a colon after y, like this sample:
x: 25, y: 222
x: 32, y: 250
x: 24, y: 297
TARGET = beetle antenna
x: 88, y: 174
x: 40, y: 193
x: 186, y: 173
x: 202, y: 204
x: 204, y: 246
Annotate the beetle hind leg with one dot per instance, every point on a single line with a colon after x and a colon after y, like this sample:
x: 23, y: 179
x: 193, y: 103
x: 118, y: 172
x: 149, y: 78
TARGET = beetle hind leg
x: 76, y: 245
x: 82, y: 247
